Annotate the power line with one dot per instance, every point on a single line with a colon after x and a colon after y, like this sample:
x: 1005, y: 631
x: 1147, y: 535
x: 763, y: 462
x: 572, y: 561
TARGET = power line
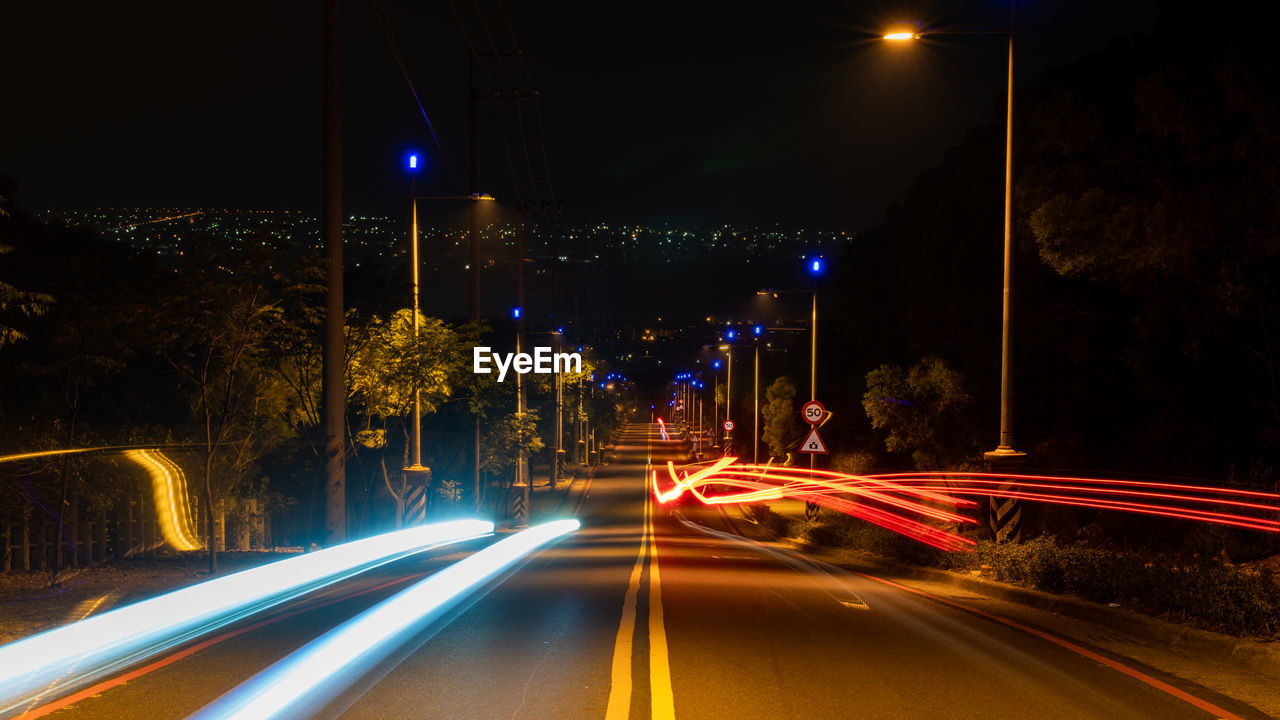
x: 515, y: 45
x: 484, y: 24
x: 467, y: 35
x: 395, y: 50
x: 537, y: 106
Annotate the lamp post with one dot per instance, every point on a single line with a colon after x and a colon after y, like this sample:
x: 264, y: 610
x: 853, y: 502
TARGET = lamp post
x: 416, y: 471
x: 815, y: 267
x: 728, y: 391
x: 715, y: 404
x: 1004, y: 452
x: 556, y: 336
x: 756, y: 332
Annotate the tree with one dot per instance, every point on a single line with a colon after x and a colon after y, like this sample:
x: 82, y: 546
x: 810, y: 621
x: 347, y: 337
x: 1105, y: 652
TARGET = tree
x: 924, y: 411
x: 30, y: 304
x: 505, y: 438
x: 387, y: 365
x: 213, y: 334
x: 781, y: 426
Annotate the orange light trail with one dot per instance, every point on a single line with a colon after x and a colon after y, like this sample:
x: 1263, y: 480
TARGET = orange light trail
x: 906, y: 502
x: 169, y: 488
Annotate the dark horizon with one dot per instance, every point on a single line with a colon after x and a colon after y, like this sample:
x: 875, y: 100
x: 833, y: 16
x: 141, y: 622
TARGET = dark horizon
x: 761, y: 118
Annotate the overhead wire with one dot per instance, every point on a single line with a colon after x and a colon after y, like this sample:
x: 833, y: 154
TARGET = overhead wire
x: 496, y: 55
x: 404, y: 71
x: 515, y: 45
x: 475, y: 55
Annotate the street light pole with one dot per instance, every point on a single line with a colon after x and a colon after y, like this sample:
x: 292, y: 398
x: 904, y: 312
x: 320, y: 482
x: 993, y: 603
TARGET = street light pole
x: 715, y: 409
x: 1004, y: 452
x: 755, y: 439
x: 417, y: 392
x: 728, y: 390
x: 416, y: 471
x: 1004, y: 515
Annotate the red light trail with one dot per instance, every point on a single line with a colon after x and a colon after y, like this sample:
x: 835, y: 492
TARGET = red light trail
x: 907, y: 503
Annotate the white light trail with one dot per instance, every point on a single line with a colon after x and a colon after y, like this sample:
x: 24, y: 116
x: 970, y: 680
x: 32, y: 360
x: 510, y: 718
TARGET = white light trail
x: 313, y: 675
x: 66, y: 658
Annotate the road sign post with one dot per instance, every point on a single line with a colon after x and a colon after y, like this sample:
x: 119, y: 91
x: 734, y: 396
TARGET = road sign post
x: 814, y: 413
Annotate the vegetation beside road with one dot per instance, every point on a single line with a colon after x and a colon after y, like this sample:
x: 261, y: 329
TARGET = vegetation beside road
x: 1205, y: 591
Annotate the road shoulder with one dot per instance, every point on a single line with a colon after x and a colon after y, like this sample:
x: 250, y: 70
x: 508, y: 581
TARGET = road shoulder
x: 1242, y: 668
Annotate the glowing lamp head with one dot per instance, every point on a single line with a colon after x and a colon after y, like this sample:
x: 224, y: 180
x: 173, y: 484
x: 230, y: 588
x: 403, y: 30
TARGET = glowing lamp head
x: 815, y: 266
x: 515, y: 313
x: 412, y: 162
x: 903, y: 31
x: 731, y: 334
x: 758, y: 330
x: 716, y: 364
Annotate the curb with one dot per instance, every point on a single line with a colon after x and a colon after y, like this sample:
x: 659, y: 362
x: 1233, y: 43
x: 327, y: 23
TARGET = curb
x: 578, y: 480
x: 1257, y: 655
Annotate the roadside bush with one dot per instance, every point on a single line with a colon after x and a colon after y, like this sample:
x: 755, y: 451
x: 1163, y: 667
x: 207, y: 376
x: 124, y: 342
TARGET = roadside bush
x: 777, y: 525
x: 1206, y: 593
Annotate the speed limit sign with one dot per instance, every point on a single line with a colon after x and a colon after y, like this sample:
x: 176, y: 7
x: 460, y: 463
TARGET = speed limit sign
x: 813, y: 412
x: 728, y: 426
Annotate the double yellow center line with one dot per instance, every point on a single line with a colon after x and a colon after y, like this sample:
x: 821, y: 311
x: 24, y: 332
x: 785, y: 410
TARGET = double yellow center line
x: 662, y: 702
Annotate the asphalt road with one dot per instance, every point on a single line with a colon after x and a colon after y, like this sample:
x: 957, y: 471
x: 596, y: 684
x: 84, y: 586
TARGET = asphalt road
x: 669, y: 611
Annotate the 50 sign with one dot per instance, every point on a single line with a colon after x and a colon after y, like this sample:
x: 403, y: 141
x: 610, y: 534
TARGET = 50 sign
x: 813, y: 412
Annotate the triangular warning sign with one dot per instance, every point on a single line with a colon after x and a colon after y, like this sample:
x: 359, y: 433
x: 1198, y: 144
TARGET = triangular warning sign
x: 813, y: 444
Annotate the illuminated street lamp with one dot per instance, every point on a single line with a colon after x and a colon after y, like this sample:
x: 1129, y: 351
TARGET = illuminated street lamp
x: 815, y: 267
x: 416, y: 471
x: 1004, y: 452
x: 903, y: 31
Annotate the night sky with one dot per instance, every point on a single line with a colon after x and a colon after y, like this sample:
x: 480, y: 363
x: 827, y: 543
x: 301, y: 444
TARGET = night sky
x: 690, y: 112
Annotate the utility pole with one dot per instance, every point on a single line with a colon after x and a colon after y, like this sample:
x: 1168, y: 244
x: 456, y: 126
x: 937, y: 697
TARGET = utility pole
x: 475, y: 123
x: 333, y: 374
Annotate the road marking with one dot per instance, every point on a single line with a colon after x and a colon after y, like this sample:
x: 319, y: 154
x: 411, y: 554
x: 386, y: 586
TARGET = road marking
x: 119, y: 680
x: 619, y: 707
x: 1084, y: 652
x: 662, y: 705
